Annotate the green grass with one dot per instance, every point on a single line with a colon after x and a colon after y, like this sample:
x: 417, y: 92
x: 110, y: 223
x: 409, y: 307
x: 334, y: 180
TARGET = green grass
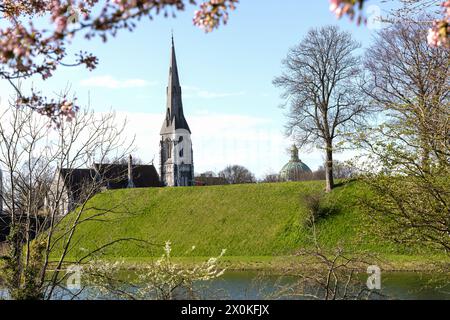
x: 255, y: 220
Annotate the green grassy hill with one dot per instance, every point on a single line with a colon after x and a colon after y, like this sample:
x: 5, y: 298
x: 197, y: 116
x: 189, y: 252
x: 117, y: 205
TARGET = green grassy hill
x: 247, y: 220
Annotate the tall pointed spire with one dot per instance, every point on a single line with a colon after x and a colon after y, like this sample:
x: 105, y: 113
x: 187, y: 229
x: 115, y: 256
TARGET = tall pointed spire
x: 174, y: 113
x: 174, y: 81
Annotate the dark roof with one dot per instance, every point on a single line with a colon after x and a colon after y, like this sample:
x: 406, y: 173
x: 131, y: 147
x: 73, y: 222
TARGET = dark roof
x: 77, y: 179
x: 116, y: 175
x: 174, y: 112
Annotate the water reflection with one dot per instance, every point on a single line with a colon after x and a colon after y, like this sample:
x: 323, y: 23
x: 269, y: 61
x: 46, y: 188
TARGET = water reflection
x: 251, y: 286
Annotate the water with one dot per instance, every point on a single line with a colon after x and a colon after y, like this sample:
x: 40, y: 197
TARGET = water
x: 401, y: 285
x: 251, y: 285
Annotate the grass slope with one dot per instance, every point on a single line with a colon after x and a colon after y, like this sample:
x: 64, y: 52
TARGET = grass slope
x: 247, y: 220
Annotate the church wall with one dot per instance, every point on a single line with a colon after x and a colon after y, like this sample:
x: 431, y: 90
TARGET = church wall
x: 178, y: 169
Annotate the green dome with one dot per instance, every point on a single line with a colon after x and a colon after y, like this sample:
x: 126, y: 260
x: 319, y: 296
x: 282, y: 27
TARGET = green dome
x: 295, y: 168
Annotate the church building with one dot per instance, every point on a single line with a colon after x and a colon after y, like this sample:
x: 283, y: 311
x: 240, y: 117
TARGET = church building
x: 176, y: 156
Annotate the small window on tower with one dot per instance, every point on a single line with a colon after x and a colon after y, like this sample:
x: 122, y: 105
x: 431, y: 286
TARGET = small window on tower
x: 181, y: 153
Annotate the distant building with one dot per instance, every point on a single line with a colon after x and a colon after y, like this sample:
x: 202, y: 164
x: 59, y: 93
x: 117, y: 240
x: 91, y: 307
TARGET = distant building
x: 295, y: 169
x: 176, y: 155
x: 75, y: 184
x: 208, y: 180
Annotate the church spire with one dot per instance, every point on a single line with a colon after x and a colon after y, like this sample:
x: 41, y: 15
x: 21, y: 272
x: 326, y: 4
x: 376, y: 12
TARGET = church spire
x: 174, y: 81
x: 176, y: 155
x: 174, y: 113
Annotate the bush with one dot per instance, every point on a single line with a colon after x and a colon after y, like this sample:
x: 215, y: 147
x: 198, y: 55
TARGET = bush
x: 317, y: 208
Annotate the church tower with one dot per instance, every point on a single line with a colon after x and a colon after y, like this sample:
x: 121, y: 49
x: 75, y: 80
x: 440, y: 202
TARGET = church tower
x: 176, y: 158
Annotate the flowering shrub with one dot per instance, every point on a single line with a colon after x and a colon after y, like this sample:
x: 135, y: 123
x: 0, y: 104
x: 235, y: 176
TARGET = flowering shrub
x: 439, y: 34
x: 160, y: 280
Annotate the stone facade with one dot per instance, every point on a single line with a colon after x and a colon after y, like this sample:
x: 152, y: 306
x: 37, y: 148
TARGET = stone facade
x: 176, y: 154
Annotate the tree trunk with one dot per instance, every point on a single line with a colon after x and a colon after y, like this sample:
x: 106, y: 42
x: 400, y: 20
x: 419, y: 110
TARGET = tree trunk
x: 329, y: 168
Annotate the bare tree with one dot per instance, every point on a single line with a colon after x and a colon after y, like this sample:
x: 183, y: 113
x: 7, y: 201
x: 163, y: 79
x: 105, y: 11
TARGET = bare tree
x: 320, y: 83
x: 409, y: 80
x: 344, y: 170
x: 236, y: 174
x: 413, y: 11
x: 408, y: 167
x: 271, y: 178
x: 30, y: 153
x: 319, y: 174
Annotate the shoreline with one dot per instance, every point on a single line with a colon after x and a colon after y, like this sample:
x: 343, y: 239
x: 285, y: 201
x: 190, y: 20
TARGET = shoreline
x: 297, y: 264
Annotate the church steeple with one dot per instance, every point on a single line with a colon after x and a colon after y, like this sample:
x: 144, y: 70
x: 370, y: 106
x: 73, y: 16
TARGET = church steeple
x: 174, y: 112
x: 174, y: 80
x: 176, y: 154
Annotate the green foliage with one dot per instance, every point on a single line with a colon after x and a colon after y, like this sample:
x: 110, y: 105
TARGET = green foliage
x: 247, y: 220
x: 413, y: 209
x: 22, y: 276
x: 318, y: 208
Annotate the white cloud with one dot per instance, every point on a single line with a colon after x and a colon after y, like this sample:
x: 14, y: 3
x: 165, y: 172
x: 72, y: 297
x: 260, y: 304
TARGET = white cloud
x: 223, y: 139
x: 195, y: 92
x: 218, y: 140
x: 109, y: 82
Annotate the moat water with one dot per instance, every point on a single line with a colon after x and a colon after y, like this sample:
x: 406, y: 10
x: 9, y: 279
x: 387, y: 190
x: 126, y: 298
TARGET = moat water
x: 252, y: 286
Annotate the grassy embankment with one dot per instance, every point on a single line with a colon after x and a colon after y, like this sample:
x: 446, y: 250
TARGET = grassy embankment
x: 262, y: 226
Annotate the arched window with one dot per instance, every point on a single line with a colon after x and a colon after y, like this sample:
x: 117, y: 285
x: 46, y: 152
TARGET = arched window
x: 167, y: 149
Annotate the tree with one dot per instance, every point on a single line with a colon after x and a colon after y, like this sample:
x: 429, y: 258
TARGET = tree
x: 162, y: 279
x: 319, y: 174
x: 410, y: 82
x: 344, y: 170
x: 208, y: 174
x: 271, y: 178
x: 320, y: 83
x: 30, y: 153
x: 236, y: 174
x: 408, y: 165
x: 29, y: 49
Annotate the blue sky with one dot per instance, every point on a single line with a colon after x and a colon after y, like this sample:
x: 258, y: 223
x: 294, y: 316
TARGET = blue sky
x: 229, y: 100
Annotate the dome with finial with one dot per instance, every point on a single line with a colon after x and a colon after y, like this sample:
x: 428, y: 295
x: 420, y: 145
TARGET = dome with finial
x: 295, y: 169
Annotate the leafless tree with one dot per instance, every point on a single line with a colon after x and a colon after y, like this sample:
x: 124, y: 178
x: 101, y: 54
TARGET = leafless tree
x: 271, y: 178
x: 408, y: 166
x: 30, y: 153
x: 319, y: 174
x: 344, y: 170
x: 320, y: 83
x: 413, y: 11
x: 410, y: 81
x: 236, y: 174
